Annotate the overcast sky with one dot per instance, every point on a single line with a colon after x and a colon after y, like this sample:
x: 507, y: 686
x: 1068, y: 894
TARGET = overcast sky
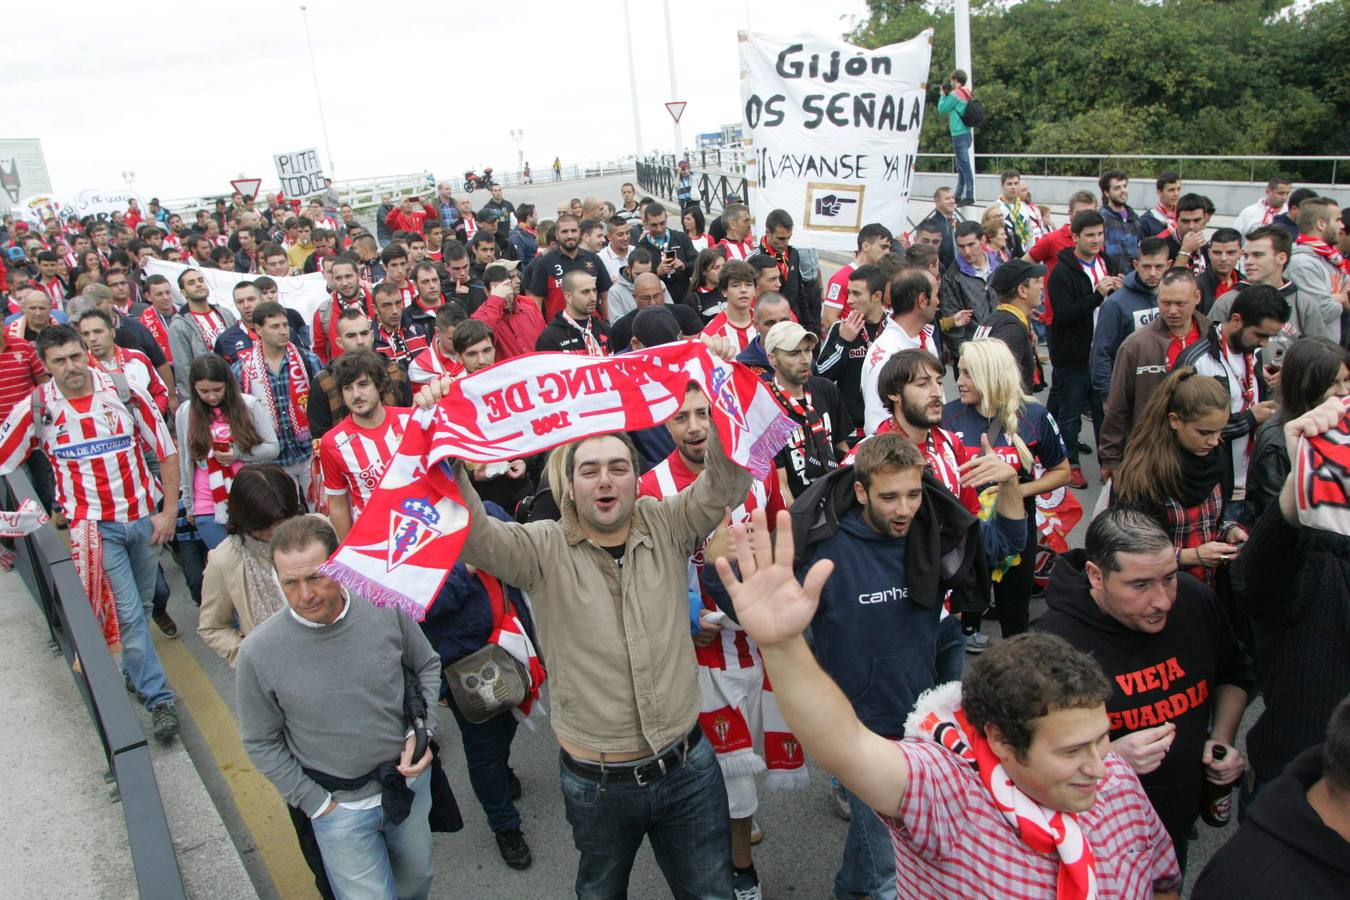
x: 189, y: 96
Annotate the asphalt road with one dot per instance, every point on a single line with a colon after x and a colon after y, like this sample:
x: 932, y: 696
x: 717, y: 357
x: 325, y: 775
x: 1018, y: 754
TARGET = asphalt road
x: 803, y: 839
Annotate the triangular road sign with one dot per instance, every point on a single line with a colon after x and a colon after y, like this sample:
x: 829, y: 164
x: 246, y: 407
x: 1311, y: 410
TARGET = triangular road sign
x: 247, y: 186
x: 676, y: 109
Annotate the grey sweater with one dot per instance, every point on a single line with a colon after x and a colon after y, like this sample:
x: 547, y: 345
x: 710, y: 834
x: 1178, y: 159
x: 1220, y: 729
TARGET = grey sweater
x: 330, y: 697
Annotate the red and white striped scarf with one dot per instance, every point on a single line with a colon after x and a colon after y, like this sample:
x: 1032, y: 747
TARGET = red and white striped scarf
x: 86, y: 552
x: 1326, y: 251
x: 938, y: 716
x: 430, y: 364
x: 509, y: 633
x: 255, y: 379
x: 415, y: 523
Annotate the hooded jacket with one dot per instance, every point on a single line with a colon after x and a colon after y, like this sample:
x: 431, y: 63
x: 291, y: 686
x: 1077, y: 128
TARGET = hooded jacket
x: 1122, y: 314
x: 875, y: 630
x: 1312, y: 274
x: 1304, y: 317
x: 1283, y: 848
x: 1139, y: 367
x: 1156, y: 678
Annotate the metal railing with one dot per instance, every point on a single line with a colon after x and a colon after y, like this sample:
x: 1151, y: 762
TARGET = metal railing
x: 710, y: 190
x: 44, y: 564
x: 1309, y: 169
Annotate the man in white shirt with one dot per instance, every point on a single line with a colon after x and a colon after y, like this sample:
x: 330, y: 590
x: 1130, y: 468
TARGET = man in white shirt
x: 1268, y: 207
x: 914, y: 303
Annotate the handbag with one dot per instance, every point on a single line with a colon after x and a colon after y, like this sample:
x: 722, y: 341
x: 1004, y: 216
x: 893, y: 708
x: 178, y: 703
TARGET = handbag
x: 489, y: 681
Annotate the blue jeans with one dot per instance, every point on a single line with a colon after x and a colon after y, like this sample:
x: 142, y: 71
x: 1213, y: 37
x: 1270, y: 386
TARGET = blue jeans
x: 130, y: 561
x: 367, y: 856
x: 1076, y: 397
x: 210, y: 532
x: 487, y: 750
x: 868, y: 869
x: 951, y: 650
x: 965, y: 176
x: 684, y: 813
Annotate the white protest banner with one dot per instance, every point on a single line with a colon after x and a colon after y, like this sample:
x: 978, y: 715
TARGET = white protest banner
x: 300, y: 172
x: 302, y: 293
x: 38, y: 208
x: 101, y: 204
x: 834, y: 131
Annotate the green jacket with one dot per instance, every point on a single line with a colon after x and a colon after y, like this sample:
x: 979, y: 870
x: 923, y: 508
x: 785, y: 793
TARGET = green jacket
x: 954, y: 107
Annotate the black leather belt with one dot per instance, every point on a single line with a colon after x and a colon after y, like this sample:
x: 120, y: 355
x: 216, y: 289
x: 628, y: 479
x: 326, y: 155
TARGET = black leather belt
x: 639, y: 772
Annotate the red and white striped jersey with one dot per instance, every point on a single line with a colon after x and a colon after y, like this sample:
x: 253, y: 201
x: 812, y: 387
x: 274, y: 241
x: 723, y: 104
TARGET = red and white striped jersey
x: 430, y: 364
x: 739, y: 249
x: 836, y: 290
x: 140, y: 373
x: 97, y: 447
x: 721, y: 325
x: 353, y: 458
x: 733, y: 649
x: 54, y: 289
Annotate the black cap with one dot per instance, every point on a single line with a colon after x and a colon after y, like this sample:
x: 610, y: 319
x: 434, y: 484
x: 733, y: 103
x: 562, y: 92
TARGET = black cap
x: 1012, y: 273
x: 655, y: 325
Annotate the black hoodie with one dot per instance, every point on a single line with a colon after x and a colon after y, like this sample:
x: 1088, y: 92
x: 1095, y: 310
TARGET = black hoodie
x: 1155, y: 678
x: 1283, y: 848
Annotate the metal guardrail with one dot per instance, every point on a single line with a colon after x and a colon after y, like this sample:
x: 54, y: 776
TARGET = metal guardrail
x: 709, y: 189
x: 1320, y: 169
x: 44, y: 564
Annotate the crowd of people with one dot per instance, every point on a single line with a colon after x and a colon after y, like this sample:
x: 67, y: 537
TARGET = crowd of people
x: 704, y: 631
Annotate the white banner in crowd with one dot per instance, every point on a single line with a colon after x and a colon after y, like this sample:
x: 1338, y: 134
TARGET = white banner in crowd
x: 834, y: 131
x: 302, y: 293
x: 300, y: 172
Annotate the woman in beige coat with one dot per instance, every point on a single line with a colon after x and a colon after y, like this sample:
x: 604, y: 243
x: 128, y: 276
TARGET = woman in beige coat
x: 239, y: 581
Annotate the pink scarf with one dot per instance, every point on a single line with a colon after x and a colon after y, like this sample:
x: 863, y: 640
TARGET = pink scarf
x: 938, y: 716
x: 415, y: 523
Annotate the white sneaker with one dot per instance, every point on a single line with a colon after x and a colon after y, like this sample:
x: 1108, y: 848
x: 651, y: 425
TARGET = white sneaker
x: 745, y: 886
x: 756, y: 833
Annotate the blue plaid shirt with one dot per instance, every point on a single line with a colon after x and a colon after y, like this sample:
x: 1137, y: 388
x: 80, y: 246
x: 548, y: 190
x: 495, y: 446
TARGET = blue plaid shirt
x: 293, y: 448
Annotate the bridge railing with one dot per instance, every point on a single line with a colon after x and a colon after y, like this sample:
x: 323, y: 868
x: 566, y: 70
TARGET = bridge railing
x: 44, y: 564
x: 709, y: 189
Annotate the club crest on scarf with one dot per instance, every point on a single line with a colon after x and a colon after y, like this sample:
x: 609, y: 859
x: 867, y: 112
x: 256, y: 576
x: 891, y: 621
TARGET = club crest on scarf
x: 411, y: 527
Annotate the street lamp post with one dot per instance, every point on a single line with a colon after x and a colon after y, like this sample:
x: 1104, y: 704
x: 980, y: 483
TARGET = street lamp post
x: 518, y: 135
x: 318, y: 97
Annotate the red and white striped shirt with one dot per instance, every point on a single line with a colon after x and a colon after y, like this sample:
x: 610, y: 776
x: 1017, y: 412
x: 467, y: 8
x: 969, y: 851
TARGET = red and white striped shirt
x: 20, y: 370
x: 54, y: 289
x: 951, y: 841
x: 739, y: 249
x: 721, y: 325
x: 733, y: 649
x: 353, y: 458
x: 836, y: 290
x: 140, y: 373
x: 97, y: 448
x: 430, y: 364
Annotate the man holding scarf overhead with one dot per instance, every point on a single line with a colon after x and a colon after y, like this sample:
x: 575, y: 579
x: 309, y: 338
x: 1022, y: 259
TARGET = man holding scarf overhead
x: 1013, y: 760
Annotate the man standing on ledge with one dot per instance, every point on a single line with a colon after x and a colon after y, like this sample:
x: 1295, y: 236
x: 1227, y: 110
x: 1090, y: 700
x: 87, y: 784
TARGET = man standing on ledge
x: 955, y: 96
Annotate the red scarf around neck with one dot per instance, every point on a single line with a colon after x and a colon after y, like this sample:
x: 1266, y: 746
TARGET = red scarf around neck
x: 1326, y: 251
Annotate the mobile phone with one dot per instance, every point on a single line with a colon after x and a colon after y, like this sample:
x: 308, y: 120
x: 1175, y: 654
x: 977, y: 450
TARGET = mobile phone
x: 1273, y: 355
x: 668, y: 254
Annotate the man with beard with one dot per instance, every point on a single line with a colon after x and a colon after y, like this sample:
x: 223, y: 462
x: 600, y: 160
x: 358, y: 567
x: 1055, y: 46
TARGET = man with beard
x: 546, y: 275
x: 577, y: 328
x: 242, y: 335
x: 396, y: 337
x: 348, y: 293
x: 426, y: 277
x: 1128, y: 309
x: 813, y: 403
x: 1317, y: 269
x: 195, y: 330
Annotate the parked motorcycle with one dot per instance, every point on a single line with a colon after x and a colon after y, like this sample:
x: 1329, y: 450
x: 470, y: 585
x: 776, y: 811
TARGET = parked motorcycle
x: 474, y: 181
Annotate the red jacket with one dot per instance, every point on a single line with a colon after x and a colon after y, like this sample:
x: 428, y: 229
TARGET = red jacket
x: 325, y: 339
x: 398, y: 220
x: 1046, y: 252
x: 513, y: 333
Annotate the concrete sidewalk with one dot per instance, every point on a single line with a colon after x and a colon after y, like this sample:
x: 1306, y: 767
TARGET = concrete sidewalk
x: 62, y: 822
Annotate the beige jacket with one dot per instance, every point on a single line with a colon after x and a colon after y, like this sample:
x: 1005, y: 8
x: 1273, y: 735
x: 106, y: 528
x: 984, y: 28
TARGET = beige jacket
x: 223, y: 598
x: 622, y: 674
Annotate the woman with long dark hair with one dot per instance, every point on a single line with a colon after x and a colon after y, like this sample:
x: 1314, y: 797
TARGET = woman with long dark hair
x: 1023, y: 434
x: 88, y: 263
x: 219, y: 429
x: 706, y: 295
x: 695, y: 227
x: 1314, y: 369
x: 1174, y: 472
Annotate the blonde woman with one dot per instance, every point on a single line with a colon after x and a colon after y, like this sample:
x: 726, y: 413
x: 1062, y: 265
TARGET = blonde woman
x: 1024, y: 434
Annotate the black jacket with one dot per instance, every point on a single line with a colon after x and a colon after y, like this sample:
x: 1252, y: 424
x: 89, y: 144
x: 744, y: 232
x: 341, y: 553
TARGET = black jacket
x: 944, y: 550
x: 1283, y: 849
x: 807, y: 315
x: 961, y: 289
x: 677, y: 282
x: 1075, y: 301
x: 1291, y: 583
x: 1170, y: 676
x: 561, y: 334
x: 947, y: 250
x: 1267, y: 468
x: 1206, y: 355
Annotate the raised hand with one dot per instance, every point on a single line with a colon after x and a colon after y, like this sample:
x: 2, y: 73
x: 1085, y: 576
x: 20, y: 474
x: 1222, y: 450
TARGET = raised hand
x: 770, y: 604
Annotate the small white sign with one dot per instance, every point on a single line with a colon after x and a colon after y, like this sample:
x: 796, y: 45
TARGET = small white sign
x: 300, y: 172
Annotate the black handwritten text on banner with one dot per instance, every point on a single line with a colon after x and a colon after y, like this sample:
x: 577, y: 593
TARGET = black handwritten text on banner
x: 834, y: 132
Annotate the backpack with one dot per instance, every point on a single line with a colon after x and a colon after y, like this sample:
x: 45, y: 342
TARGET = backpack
x: 975, y: 114
x: 41, y: 418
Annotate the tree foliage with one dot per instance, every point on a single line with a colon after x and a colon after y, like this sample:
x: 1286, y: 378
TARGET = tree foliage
x: 1190, y: 77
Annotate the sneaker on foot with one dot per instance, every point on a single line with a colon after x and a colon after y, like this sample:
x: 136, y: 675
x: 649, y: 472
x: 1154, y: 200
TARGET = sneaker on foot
x: 1076, y: 478
x: 745, y: 884
x: 515, y: 852
x: 131, y: 688
x: 1084, y: 449
x: 166, y: 624
x: 756, y: 833
x: 165, y: 720
x: 839, y: 801
x: 977, y: 642
x: 513, y: 784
